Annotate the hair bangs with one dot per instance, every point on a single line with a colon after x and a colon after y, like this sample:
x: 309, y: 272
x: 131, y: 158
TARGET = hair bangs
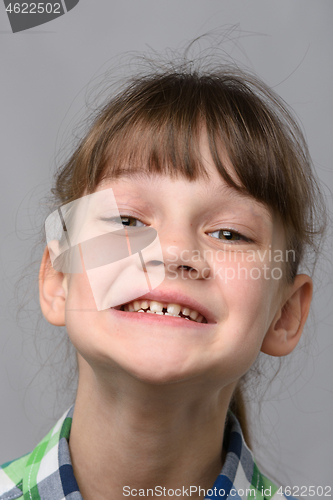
x: 160, y: 133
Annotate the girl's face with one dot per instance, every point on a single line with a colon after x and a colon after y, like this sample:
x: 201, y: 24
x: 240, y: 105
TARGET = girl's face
x: 222, y: 254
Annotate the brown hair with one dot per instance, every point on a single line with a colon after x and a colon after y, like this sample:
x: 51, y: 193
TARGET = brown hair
x: 155, y: 121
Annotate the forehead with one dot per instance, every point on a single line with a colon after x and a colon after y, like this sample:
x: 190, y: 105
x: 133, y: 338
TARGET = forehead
x: 212, y: 192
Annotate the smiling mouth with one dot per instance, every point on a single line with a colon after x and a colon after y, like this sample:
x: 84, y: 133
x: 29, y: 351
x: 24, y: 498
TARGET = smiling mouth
x: 162, y: 309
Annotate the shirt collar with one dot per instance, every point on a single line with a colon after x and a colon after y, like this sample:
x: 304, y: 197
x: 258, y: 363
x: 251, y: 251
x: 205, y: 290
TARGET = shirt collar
x: 49, y: 472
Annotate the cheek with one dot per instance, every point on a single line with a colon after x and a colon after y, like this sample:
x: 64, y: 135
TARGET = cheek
x: 79, y: 297
x: 81, y: 312
x: 88, y: 328
x: 248, y: 291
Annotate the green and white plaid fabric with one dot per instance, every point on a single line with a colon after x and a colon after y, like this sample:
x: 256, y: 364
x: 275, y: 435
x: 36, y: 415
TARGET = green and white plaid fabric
x: 47, y: 473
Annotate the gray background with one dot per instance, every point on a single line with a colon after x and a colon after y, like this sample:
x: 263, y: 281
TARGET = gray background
x: 44, y: 72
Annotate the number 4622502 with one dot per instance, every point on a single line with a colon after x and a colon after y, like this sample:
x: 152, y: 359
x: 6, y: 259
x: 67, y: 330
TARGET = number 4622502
x: 33, y: 8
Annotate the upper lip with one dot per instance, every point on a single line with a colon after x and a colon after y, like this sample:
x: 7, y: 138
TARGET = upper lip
x: 177, y: 297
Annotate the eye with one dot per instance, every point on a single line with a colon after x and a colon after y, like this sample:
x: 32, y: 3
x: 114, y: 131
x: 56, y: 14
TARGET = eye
x: 125, y: 220
x: 128, y: 220
x: 229, y: 235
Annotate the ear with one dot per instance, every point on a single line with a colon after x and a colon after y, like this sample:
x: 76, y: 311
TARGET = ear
x: 288, y: 323
x: 52, y: 291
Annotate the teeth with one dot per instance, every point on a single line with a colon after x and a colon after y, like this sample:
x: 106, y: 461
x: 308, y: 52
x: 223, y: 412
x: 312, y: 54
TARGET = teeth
x: 136, y: 305
x: 194, y: 314
x: 173, y: 309
x: 186, y: 311
x: 155, y: 307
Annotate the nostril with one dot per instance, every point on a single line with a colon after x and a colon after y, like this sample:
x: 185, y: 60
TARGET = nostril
x: 155, y: 263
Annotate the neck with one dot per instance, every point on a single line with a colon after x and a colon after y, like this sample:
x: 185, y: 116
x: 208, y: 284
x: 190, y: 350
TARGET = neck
x: 126, y: 432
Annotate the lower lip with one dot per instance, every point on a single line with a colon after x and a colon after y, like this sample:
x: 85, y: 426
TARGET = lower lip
x: 157, y: 319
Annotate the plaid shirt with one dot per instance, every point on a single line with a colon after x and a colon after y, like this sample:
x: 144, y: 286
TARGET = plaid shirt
x: 47, y: 473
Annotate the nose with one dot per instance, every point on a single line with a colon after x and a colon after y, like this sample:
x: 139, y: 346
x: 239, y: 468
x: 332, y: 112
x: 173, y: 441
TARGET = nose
x: 182, y: 256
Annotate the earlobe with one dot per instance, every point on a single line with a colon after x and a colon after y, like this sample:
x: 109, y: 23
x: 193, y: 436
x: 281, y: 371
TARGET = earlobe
x: 287, y: 326
x: 52, y: 291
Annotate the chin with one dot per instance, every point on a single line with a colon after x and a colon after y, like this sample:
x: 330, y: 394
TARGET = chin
x: 165, y: 377
x: 158, y: 370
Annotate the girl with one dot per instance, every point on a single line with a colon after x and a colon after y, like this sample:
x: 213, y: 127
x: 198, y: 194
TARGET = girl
x: 181, y: 220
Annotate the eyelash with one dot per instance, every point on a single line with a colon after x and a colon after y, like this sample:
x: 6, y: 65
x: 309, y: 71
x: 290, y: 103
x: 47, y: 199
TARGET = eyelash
x: 228, y: 230
x: 115, y: 219
x: 233, y: 232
